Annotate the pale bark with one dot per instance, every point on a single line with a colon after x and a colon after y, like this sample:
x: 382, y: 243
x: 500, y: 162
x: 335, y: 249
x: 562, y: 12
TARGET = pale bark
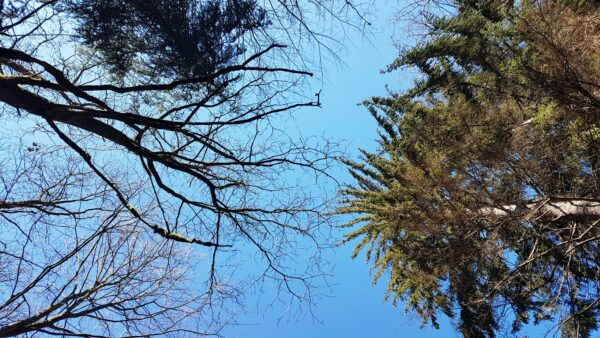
x: 555, y: 208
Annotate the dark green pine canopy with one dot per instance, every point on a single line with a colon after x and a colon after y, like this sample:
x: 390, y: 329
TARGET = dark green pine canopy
x: 483, y: 201
x: 175, y: 37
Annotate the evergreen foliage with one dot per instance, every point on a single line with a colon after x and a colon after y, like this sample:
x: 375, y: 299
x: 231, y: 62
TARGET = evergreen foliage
x: 176, y: 37
x: 482, y: 200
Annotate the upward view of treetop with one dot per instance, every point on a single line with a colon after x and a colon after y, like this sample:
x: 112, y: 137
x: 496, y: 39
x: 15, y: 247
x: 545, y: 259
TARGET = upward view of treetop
x: 153, y: 181
x: 483, y: 200
x: 143, y: 158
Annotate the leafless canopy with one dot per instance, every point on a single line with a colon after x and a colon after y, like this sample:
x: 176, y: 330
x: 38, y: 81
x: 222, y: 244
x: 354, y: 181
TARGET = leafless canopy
x: 115, y: 185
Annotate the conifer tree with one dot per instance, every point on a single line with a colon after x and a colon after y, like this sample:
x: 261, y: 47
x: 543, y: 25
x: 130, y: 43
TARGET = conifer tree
x: 483, y: 199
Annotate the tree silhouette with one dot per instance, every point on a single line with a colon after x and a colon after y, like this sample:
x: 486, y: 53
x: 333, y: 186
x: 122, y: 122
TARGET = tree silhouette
x: 147, y: 138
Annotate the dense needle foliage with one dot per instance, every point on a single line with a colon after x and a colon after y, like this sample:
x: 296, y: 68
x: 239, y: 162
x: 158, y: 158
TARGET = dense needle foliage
x: 482, y: 202
x: 181, y: 37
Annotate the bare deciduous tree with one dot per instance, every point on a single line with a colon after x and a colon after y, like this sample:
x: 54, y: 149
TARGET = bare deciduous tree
x: 135, y: 150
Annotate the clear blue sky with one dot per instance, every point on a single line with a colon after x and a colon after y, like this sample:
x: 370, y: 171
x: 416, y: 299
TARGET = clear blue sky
x: 354, y: 308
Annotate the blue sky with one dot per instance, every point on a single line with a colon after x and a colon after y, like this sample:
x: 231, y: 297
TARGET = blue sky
x: 353, y: 307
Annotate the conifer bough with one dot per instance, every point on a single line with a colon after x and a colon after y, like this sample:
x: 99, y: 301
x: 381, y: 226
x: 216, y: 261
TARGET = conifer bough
x: 493, y: 225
